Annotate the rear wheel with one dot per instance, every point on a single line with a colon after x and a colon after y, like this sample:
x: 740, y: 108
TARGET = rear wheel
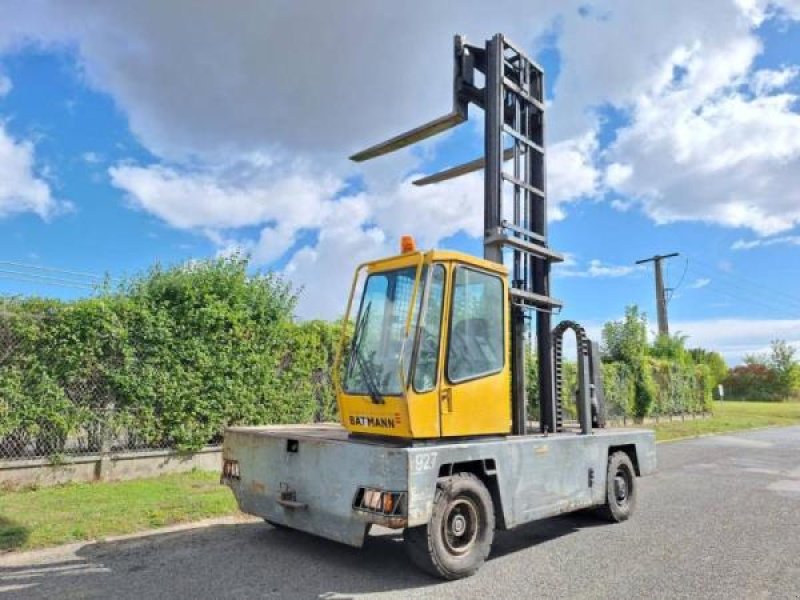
x: 458, y: 538
x: 620, y: 489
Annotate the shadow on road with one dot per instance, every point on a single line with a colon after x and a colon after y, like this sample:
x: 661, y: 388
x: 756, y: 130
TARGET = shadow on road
x: 245, y: 561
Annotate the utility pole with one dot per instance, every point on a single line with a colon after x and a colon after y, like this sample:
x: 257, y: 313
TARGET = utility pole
x: 661, y: 292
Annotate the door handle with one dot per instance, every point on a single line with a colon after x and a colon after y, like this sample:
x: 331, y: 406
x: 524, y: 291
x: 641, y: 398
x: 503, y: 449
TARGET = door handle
x: 446, y: 398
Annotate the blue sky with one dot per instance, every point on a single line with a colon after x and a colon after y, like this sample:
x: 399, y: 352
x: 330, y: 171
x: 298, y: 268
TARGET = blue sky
x: 131, y: 135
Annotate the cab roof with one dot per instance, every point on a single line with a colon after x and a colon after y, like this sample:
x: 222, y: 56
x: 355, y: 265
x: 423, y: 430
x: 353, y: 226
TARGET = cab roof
x: 433, y: 255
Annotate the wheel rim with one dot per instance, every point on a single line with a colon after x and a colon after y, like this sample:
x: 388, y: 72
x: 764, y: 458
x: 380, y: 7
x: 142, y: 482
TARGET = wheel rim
x: 460, y: 525
x: 623, y: 486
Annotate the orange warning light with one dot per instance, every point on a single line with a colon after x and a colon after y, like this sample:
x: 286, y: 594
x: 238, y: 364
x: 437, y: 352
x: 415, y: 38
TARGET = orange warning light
x: 407, y: 244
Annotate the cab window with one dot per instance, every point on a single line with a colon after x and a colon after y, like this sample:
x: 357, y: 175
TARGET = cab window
x: 430, y: 334
x: 476, y: 325
x: 379, y: 332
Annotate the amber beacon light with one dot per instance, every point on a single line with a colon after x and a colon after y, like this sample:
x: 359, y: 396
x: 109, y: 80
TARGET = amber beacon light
x: 407, y: 244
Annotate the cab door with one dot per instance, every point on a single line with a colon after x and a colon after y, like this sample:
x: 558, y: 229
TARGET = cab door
x: 474, y: 393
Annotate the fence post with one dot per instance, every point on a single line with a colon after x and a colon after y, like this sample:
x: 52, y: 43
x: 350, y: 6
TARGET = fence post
x: 103, y: 468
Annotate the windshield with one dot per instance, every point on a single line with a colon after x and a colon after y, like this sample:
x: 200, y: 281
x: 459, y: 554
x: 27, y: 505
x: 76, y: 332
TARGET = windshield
x: 374, y: 362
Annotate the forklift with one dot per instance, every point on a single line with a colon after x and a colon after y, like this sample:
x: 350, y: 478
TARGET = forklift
x: 434, y: 436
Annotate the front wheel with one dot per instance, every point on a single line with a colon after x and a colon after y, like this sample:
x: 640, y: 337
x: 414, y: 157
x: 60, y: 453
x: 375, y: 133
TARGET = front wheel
x: 620, y: 489
x: 458, y: 538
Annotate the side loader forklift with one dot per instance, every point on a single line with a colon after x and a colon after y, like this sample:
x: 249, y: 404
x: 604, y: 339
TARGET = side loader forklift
x: 434, y: 437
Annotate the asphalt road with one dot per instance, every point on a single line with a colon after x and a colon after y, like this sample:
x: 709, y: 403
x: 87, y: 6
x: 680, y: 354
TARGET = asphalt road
x: 721, y: 519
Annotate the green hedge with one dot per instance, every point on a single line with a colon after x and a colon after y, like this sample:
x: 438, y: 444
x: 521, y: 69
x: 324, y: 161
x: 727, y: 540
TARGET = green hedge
x: 661, y: 388
x: 619, y: 388
x: 169, y: 358
x: 679, y: 388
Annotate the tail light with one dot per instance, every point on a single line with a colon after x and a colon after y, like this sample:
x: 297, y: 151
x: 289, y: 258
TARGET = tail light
x: 380, y: 502
x: 230, y: 470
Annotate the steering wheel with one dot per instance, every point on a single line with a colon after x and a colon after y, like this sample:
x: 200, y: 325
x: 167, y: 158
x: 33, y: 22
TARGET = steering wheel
x: 427, y: 353
x: 460, y: 351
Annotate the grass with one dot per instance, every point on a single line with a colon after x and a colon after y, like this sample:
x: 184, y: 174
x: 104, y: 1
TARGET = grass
x: 85, y: 511
x: 732, y: 416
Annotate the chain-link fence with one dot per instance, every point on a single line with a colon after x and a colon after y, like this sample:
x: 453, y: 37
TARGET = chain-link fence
x: 61, y: 396
x: 49, y: 440
x: 42, y: 415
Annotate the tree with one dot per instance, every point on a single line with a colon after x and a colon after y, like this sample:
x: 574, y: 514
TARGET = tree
x: 717, y: 367
x: 752, y: 381
x: 626, y: 340
x: 787, y: 369
x: 644, y: 390
x: 671, y: 347
x: 767, y: 376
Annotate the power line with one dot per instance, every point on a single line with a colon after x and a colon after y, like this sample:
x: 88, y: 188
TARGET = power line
x: 44, y: 279
x: 755, y: 285
x: 56, y: 283
x: 747, y: 299
x: 51, y: 270
x: 672, y: 290
x: 751, y: 293
x: 741, y: 289
x: 745, y: 295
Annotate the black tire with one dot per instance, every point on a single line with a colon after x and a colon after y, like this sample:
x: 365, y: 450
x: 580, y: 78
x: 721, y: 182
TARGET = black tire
x: 620, y: 489
x: 458, y: 538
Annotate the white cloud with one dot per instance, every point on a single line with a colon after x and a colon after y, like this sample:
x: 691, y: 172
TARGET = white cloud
x: 324, y: 272
x: 701, y: 282
x: 571, y: 172
x: 758, y: 10
x: 765, y: 81
x: 617, y: 174
x: 283, y: 201
x: 735, y: 337
x: 622, y: 205
x: 297, y: 84
x: 92, y: 158
x: 318, y: 78
x: 209, y: 199
x: 700, y: 148
x: 790, y: 240
x: 596, y: 268
x: 21, y: 189
x: 227, y: 198
x: 707, y: 137
x: 430, y: 213
x: 5, y: 85
x: 615, y: 57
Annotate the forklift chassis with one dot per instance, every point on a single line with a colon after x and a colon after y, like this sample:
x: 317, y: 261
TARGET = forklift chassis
x: 315, y: 478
